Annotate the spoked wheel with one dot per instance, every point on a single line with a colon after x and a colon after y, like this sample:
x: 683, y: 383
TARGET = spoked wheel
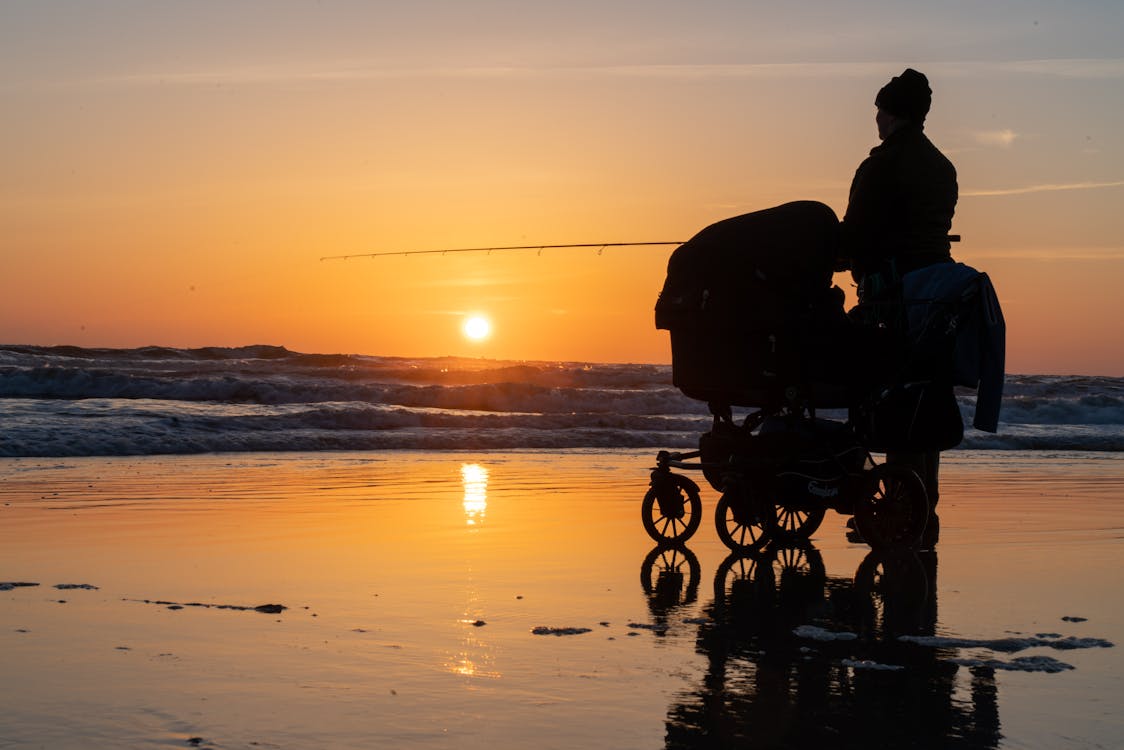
x: 893, y: 515
x: 670, y: 576
x: 793, y: 525
x: 672, y: 510
x: 740, y: 524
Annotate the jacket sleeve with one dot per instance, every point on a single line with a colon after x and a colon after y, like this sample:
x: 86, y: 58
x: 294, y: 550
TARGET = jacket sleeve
x: 992, y: 337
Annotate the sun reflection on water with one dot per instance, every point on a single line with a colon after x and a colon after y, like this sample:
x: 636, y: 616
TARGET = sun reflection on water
x: 476, y: 660
x: 476, y: 656
x: 474, y: 477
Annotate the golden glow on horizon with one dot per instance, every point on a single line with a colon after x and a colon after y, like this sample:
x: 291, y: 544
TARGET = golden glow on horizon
x: 178, y: 189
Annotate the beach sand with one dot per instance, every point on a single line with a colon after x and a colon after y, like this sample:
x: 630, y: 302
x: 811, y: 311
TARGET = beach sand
x: 503, y: 600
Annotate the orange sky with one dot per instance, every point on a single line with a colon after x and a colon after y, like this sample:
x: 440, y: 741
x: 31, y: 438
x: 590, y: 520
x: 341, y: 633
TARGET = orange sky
x: 173, y: 173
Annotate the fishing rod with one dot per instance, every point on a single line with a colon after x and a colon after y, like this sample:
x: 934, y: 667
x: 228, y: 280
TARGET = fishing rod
x: 600, y: 245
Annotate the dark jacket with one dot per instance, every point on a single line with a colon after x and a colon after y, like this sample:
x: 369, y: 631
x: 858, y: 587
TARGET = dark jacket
x: 980, y: 332
x: 900, y: 208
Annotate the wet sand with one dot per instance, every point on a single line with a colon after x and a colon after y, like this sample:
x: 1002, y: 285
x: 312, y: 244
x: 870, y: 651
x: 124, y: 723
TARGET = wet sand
x: 513, y: 600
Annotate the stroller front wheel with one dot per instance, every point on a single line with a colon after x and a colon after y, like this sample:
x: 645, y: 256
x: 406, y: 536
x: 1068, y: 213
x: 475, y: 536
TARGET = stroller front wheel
x: 672, y: 509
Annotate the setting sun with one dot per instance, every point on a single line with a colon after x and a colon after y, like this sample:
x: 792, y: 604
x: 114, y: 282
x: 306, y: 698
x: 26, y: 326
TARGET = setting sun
x: 477, y: 328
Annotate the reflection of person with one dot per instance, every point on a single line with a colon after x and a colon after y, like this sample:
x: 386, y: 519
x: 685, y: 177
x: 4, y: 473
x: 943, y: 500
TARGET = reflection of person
x: 898, y: 217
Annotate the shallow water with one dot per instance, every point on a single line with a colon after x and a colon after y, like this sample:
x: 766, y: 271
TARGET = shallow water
x: 413, y: 584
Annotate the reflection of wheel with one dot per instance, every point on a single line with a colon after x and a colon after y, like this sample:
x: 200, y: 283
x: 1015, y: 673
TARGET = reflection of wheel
x: 893, y: 515
x: 740, y: 526
x: 670, y: 576
x: 798, y: 570
x: 672, y: 510
x: 744, y: 576
x: 893, y: 590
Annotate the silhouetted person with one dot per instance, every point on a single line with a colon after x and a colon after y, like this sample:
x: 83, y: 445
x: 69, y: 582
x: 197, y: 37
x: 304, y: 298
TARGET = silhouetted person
x: 898, y: 218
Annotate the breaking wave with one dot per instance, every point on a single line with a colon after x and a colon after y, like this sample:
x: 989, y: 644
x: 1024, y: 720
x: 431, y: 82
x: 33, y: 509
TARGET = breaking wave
x: 70, y: 401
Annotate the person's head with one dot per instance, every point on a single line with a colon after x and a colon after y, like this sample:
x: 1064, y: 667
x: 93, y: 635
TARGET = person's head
x: 905, y: 99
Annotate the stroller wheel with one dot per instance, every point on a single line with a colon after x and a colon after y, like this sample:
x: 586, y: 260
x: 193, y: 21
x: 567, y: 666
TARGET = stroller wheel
x: 671, y: 510
x: 794, y: 525
x: 894, y: 514
x: 739, y: 521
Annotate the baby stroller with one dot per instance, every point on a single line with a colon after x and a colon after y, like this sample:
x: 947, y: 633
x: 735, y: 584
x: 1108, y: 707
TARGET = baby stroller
x: 756, y: 323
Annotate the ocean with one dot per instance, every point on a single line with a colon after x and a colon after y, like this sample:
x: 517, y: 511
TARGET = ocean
x: 72, y: 401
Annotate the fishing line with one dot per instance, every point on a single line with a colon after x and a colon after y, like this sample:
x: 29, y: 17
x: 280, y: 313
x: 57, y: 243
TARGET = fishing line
x: 600, y: 245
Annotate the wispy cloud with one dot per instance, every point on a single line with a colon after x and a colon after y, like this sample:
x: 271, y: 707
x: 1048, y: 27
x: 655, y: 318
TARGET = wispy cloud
x: 1000, y: 138
x: 357, y: 71
x: 323, y: 71
x: 1112, y: 67
x: 1044, y: 188
x: 1055, y: 254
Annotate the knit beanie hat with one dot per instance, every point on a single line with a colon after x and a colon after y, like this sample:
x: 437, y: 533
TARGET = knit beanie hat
x: 907, y: 95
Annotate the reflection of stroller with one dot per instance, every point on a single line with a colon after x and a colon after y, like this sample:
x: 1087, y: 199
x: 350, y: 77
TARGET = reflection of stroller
x: 755, y: 322
x: 769, y: 681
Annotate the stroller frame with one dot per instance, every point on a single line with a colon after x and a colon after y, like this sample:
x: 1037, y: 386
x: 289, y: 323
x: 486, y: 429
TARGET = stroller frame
x: 779, y: 471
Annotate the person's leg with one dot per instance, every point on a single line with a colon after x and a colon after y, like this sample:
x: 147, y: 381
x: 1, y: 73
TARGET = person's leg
x: 930, y: 477
x: 927, y: 467
x: 932, y: 461
x: 909, y: 460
